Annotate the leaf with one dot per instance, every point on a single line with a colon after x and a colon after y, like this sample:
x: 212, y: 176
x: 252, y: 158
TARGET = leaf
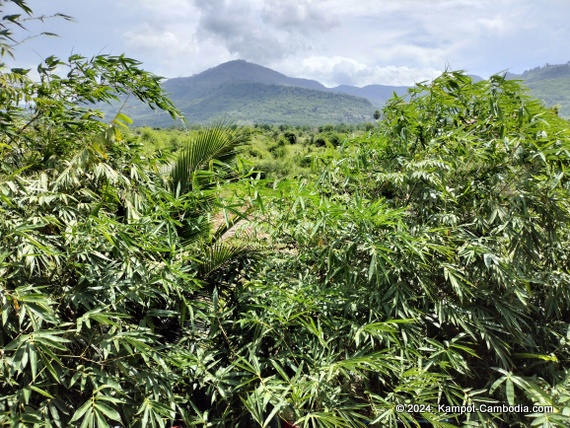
x: 82, y: 411
x: 372, y: 267
x: 101, y: 422
x: 496, y: 384
x: 510, y: 391
x: 122, y: 120
x: 210, y: 151
x: 41, y: 391
x: 490, y: 260
x: 108, y: 411
x: 33, y: 360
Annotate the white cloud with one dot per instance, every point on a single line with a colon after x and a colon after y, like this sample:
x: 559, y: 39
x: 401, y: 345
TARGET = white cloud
x: 337, y: 70
x: 165, y: 9
x: 496, y: 24
x: 169, y: 45
x: 263, y: 31
x: 298, y: 15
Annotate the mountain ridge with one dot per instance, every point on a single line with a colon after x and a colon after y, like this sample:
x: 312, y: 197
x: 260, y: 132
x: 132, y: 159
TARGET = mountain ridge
x: 244, y: 92
x: 549, y: 83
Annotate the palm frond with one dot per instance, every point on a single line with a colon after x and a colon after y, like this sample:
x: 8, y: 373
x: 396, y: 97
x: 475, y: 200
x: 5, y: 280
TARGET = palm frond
x: 220, y: 255
x: 206, y: 157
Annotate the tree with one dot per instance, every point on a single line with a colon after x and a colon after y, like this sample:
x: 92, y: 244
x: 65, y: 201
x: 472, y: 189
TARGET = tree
x: 291, y: 137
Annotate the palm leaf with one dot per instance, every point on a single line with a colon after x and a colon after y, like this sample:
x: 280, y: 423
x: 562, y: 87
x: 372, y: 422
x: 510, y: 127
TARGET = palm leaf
x: 206, y: 157
x: 230, y: 222
x: 218, y: 256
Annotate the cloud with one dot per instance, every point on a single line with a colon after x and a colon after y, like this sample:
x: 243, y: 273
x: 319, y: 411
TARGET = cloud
x: 165, y: 9
x: 170, y: 45
x: 298, y: 15
x: 336, y: 41
x: 237, y: 29
x: 347, y: 41
x: 337, y: 70
x: 262, y: 31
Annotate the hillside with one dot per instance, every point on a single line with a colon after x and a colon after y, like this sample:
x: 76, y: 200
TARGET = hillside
x: 239, y: 91
x: 551, y: 84
x: 250, y: 102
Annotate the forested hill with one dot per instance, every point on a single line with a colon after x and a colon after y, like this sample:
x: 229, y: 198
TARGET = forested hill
x: 250, y: 102
x: 239, y: 91
x: 551, y: 84
x: 242, y: 71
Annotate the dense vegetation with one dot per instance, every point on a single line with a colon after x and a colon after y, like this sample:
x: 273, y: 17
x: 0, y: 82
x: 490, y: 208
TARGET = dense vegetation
x: 273, y: 151
x: 422, y: 261
x: 250, y: 102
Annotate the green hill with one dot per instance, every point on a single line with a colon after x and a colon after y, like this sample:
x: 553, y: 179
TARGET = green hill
x: 239, y: 91
x: 260, y: 103
x: 551, y: 84
x: 233, y: 71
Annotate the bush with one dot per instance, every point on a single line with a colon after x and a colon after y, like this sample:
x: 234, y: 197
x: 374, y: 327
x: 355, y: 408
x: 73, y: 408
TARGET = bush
x: 320, y: 142
x: 443, y: 235
x: 107, y: 258
x: 290, y: 137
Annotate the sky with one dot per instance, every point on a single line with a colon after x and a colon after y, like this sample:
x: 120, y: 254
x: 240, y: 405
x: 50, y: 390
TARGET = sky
x: 350, y: 42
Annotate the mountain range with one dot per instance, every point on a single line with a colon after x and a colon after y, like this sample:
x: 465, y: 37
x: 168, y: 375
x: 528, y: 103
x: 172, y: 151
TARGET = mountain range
x: 242, y: 92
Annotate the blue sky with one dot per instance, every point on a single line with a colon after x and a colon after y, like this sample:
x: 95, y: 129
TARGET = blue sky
x: 357, y: 42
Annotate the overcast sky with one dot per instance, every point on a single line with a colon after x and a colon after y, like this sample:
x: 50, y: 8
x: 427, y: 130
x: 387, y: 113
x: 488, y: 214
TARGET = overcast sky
x: 356, y: 42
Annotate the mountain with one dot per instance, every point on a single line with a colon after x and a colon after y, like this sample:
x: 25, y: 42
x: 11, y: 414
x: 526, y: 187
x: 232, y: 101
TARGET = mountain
x: 242, y: 92
x: 251, y: 102
x: 239, y: 91
x: 243, y: 71
x: 236, y: 71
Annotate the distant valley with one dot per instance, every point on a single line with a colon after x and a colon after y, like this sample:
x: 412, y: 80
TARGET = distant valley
x: 242, y: 92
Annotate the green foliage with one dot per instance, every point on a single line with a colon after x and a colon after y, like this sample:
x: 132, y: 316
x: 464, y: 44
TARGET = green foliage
x: 451, y: 217
x: 205, y: 157
x: 103, y: 267
x: 423, y: 263
x: 291, y: 137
